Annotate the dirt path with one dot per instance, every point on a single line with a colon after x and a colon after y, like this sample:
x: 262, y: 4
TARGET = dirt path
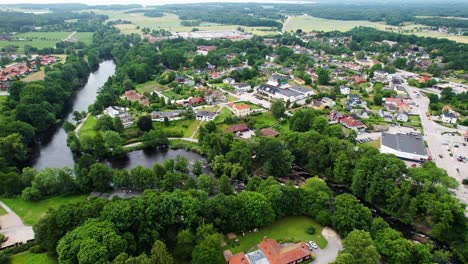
x: 13, y: 228
x: 329, y: 253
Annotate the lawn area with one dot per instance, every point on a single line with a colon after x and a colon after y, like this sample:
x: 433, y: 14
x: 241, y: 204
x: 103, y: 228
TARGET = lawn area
x: 38, y: 40
x: 291, y: 228
x: 2, y: 211
x: 252, y: 106
x: 225, y: 112
x: 88, y: 127
x: 179, y: 128
x: 374, y: 143
x: 415, y: 121
x: 31, y: 258
x: 86, y: 37
x: 31, y: 212
x: 36, y: 76
x: 149, y: 87
x: 128, y: 28
x: 173, y: 96
x: 231, y: 98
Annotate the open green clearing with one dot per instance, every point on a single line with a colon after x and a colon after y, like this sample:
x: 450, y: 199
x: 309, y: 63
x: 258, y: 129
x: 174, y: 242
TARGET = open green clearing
x: 149, y: 87
x: 179, y: 128
x: 31, y: 258
x: 289, y: 229
x: 86, y: 37
x: 87, y: 129
x: 374, y: 143
x: 31, y: 212
x: 225, y: 113
x: 310, y: 23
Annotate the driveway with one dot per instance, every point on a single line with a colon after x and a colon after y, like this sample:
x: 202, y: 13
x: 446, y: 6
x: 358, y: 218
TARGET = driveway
x: 329, y: 253
x: 13, y: 228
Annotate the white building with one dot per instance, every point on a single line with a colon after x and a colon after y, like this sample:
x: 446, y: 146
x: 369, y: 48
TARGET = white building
x: 344, y: 90
x: 449, y: 118
x: 205, y: 116
x: 239, y: 110
x: 406, y: 146
x: 158, y: 116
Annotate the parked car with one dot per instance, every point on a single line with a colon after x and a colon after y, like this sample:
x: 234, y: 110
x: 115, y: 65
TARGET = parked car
x: 313, y: 244
x: 309, y: 246
x: 440, y: 156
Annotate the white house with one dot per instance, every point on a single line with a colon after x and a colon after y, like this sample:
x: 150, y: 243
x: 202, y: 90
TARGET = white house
x: 158, y: 116
x: 229, y: 81
x: 344, y: 90
x: 401, y: 116
x: 111, y: 111
x: 449, y: 118
x: 205, y: 115
x: 241, y: 87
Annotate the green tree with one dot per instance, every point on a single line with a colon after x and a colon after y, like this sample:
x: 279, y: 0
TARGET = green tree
x: 159, y: 254
x: 207, y: 183
x: 278, y: 109
x: 225, y: 185
x: 197, y: 168
x: 145, y: 123
x: 12, y: 148
x: 117, y: 124
x: 154, y: 138
x: 358, y: 249
x: 113, y: 143
x: 323, y: 76
x: 185, y: 244
x: 104, y: 123
x: 274, y: 157
x: 349, y: 214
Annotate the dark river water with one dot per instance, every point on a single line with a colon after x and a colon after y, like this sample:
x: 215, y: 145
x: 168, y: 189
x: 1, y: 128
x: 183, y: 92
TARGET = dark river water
x: 54, y: 152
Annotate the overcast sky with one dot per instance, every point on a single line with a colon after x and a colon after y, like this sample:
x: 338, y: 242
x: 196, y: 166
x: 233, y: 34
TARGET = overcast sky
x: 143, y: 2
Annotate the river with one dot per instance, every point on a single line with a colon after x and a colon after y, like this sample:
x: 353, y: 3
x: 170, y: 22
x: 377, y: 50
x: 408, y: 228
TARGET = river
x: 54, y: 152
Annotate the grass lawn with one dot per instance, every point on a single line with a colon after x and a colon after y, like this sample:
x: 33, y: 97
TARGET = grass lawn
x: 231, y: 98
x: 173, y: 96
x: 31, y: 212
x: 38, y: 40
x: 252, y: 106
x: 225, y: 113
x: 179, y: 128
x: 128, y: 29
x: 149, y: 87
x: 374, y: 143
x: 36, y: 76
x: 291, y: 228
x: 31, y: 258
x: 88, y: 127
x: 86, y: 37
x: 2, y: 211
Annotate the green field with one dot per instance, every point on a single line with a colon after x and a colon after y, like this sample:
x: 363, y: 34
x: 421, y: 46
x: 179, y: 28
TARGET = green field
x: 86, y: 37
x: 31, y: 212
x: 2, y: 211
x: 149, y: 87
x: 171, y: 22
x: 31, y: 258
x: 179, y: 127
x: 310, y: 23
x: 88, y: 127
x: 225, y: 113
x: 287, y: 229
x: 38, y: 40
x: 374, y: 144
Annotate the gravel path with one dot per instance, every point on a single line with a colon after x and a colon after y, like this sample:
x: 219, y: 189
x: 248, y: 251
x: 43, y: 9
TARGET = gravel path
x: 13, y: 228
x: 329, y: 253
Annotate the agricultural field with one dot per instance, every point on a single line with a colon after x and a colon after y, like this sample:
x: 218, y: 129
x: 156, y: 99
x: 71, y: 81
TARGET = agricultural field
x: 171, y: 23
x: 31, y: 212
x: 38, y: 40
x: 287, y: 229
x: 310, y: 23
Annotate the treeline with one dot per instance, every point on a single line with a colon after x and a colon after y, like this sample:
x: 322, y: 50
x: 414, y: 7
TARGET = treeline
x: 70, y: 7
x: 26, y: 22
x: 442, y: 22
x: 251, y: 14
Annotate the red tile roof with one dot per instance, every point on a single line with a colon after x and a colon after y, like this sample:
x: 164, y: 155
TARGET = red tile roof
x: 277, y: 255
x: 351, y: 122
x: 238, y: 258
x: 237, y: 128
x: 269, y: 132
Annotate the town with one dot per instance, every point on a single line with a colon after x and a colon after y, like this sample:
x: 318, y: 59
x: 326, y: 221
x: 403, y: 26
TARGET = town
x: 213, y: 141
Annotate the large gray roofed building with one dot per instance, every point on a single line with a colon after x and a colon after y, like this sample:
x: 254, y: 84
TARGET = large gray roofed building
x: 408, y: 146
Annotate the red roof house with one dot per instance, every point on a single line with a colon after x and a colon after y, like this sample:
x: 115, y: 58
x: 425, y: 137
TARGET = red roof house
x: 237, y: 128
x: 350, y: 122
x: 267, y: 132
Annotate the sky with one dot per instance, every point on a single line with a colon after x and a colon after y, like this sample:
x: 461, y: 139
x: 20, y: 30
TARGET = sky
x: 142, y: 2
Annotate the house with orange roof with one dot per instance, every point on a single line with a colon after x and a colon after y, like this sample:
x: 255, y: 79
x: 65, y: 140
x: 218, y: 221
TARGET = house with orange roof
x: 270, y: 252
x: 239, y: 110
x: 132, y: 95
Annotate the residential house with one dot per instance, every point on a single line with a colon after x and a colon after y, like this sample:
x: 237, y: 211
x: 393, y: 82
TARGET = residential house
x: 203, y: 50
x: 344, y: 90
x: 318, y: 105
x: 365, y: 63
x: 328, y: 102
x: 205, y: 115
x: 269, y: 132
x: 449, y: 118
x: 299, y: 80
x: 335, y: 116
x: 270, y: 252
x: 387, y: 116
x: 158, y: 116
x: 132, y: 95
x: 390, y: 107
x: 278, y: 79
x: 401, y: 116
x: 214, y: 96
x: 111, y: 111
x: 352, y: 66
x: 229, y: 81
x: 238, y: 128
x: 358, y: 79
x: 126, y: 119
x: 197, y: 100
x: 271, y: 58
x: 364, y: 113
x: 352, y: 123
x: 241, y: 87
x: 380, y: 75
x: 239, y: 110
x: 355, y: 100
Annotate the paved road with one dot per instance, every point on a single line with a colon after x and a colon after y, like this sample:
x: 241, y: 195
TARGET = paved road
x: 328, y: 254
x: 439, y: 144
x: 13, y: 228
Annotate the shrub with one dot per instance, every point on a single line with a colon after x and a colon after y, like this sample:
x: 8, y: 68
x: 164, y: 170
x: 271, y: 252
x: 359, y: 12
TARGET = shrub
x: 310, y: 230
x: 465, y: 181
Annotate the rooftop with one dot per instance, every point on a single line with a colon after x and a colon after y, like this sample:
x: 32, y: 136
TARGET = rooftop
x: 408, y: 143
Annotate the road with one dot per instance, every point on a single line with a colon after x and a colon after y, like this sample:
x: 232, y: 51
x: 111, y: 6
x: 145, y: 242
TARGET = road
x: 329, y: 253
x: 13, y: 228
x: 439, y: 144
